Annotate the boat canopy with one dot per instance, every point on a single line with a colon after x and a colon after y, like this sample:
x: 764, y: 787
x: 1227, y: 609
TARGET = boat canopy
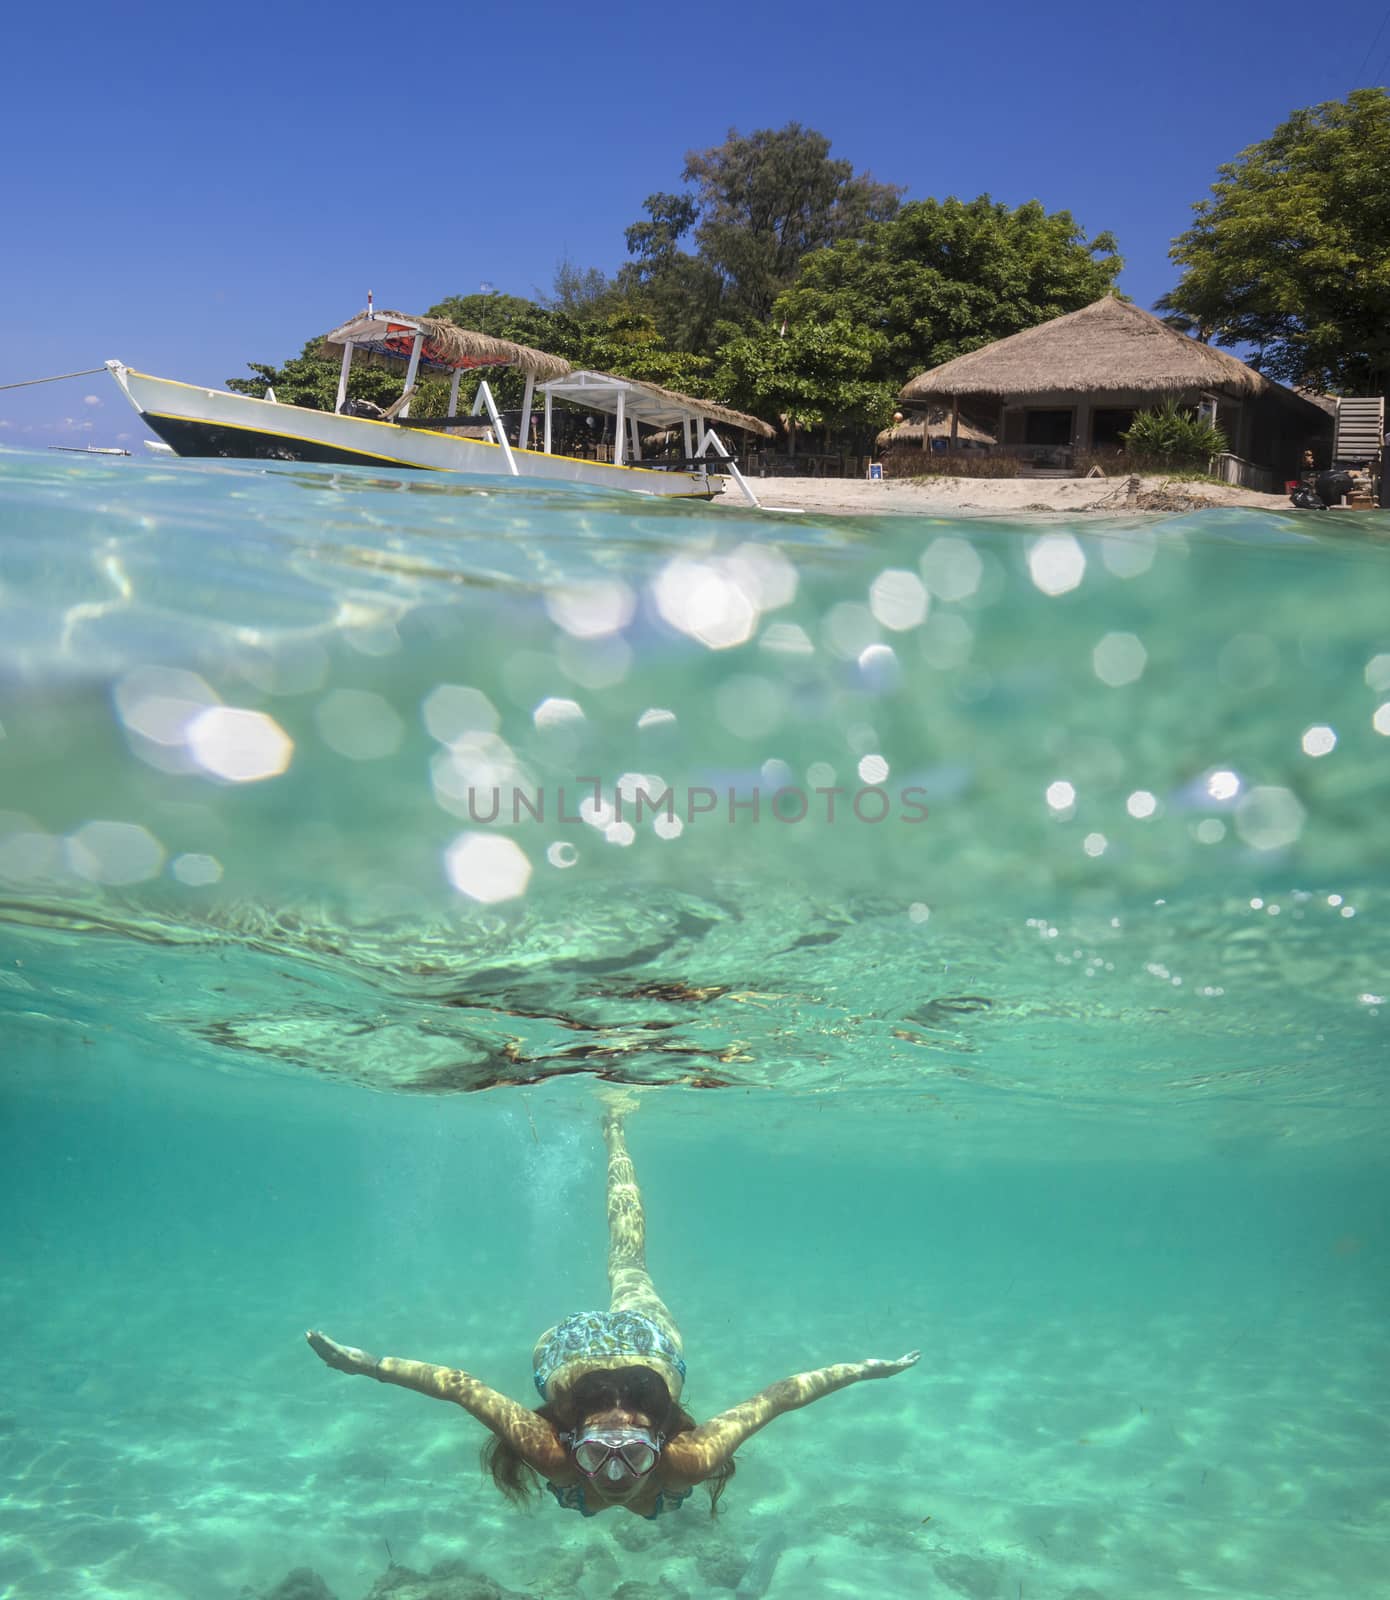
x: 387, y: 338
x: 631, y: 402
x: 647, y: 403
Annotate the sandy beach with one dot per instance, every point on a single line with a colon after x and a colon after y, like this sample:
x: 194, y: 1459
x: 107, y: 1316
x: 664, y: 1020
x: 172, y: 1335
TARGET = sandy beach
x: 927, y: 497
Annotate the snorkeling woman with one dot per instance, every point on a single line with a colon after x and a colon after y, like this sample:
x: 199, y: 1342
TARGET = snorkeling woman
x: 611, y: 1431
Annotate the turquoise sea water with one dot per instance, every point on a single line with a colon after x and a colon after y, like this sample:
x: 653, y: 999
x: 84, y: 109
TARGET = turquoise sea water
x: 1058, y: 1050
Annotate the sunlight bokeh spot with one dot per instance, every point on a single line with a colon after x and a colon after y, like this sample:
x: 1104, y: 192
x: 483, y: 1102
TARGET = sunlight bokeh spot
x: 1119, y: 659
x: 879, y: 669
x: 359, y: 724
x: 1056, y: 563
x: 195, y: 869
x: 951, y: 568
x: 556, y: 712
x: 451, y: 710
x: 114, y: 853
x: 848, y: 629
x: 1270, y: 818
x: 487, y: 867
x: 238, y: 745
x: 898, y: 599
x: 705, y: 602
x: 786, y: 638
x: 592, y: 609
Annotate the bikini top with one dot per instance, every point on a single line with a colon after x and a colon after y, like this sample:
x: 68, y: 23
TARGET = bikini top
x: 570, y: 1497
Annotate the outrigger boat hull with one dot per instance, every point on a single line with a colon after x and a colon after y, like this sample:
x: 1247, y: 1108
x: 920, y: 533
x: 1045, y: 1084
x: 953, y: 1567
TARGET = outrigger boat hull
x: 215, y: 422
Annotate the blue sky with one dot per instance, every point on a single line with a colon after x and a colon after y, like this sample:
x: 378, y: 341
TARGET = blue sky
x: 189, y: 188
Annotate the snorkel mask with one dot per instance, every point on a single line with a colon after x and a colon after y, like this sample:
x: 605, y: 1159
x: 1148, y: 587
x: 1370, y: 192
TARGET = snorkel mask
x: 610, y: 1456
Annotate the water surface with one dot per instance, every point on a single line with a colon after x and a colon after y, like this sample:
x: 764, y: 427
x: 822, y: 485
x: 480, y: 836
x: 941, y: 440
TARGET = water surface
x: 993, y: 914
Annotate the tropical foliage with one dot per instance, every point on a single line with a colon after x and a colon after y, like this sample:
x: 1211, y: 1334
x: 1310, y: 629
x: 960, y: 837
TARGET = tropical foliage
x: 777, y: 280
x: 945, y: 277
x: 1170, y: 438
x: 1290, y: 254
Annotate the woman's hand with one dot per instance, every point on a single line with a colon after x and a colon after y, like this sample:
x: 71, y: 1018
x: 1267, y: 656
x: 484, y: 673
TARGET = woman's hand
x: 886, y: 1369
x: 341, y: 1357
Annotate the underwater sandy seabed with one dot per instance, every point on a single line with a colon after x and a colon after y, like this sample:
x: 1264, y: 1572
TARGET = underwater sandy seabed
x: 1135, y: 1382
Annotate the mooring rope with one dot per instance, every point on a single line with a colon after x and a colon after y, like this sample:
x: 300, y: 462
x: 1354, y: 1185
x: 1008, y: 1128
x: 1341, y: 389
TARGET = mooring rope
x: 57, y: 376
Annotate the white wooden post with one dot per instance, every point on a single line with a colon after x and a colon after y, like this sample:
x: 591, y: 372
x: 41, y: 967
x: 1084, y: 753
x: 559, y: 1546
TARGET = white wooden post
x: 618, y: 429
x: 523, y: 432
x: 689, y: 440
x: 499, y: 430
x: 454, y: 391
x: 548, y: 404
x: 635, y: 437
x: 710, y: 441
x: 343, y: 375
x: 411, y: 370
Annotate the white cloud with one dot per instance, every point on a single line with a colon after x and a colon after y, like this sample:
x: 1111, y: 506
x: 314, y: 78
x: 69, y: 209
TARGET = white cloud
x: 91, y: 399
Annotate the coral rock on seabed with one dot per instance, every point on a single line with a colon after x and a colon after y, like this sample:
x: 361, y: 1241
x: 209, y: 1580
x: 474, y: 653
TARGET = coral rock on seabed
x: 635, y: 1589
x: 449, y: 1580
x: 972, y: 1576
x: 721, y: 1568
x: 301, y: 1583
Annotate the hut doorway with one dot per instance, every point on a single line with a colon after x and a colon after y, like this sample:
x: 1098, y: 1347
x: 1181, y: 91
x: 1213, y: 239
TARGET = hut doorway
x: 1108, y: 424
x: 1047, y: 427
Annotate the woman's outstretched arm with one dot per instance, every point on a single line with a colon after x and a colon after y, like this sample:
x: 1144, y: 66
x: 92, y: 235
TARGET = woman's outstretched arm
x: 694, y: 1456
x: 532, y: 1437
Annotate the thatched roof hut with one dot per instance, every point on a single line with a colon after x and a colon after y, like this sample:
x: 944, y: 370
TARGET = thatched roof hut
x: 384, y: 338
x: 1108, y: 347
x: 1076, y: 384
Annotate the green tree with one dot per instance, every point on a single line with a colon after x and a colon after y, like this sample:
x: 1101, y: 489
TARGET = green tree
x: 759, y: 203
x: 578, y: 290
x: 680, y: 291
x: 625, y: 341
x: 818, y: 375
x: 1291, y: 253
x: 945, y: 277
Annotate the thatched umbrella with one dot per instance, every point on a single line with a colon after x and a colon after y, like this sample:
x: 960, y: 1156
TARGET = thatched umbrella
x: 385, y: 338
x: 936, y: 426
x: 1107, y: 348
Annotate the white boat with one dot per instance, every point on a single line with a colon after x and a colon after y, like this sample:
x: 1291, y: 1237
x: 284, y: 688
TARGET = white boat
x: 194, y: 421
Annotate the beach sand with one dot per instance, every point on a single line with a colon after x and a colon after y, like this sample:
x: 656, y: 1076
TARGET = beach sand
x: 926, y: 497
